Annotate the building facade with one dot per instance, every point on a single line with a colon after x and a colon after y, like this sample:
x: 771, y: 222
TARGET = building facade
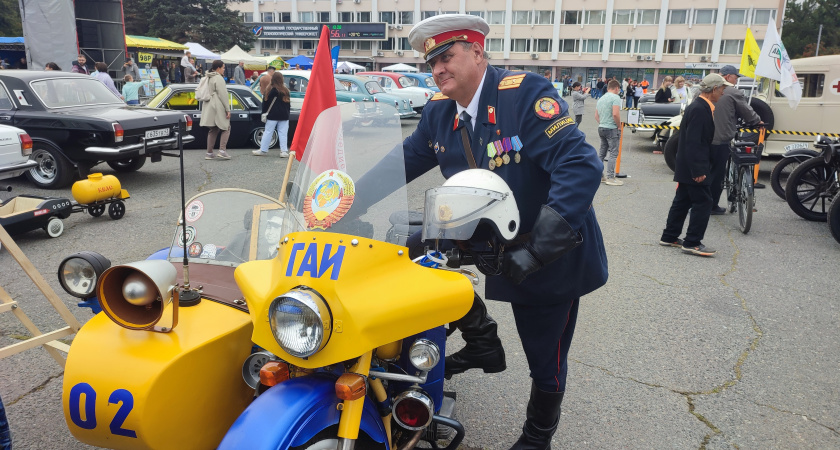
x: 584, y: 39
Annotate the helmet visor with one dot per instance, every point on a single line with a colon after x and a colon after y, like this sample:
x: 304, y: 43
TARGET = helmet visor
x: 453, y: 212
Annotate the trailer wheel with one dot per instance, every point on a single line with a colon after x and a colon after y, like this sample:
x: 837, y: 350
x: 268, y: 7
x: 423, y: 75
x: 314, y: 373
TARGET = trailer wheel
x: 54, y: 227
x: 96, y: 210
x: 116, y: 210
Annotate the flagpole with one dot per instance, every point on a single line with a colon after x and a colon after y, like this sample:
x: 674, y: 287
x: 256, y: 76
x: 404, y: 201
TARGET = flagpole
x: 286, y: 176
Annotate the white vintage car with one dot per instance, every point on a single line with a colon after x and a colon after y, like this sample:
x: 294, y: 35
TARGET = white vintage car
x: 400, y: 85
x: 15, y: 148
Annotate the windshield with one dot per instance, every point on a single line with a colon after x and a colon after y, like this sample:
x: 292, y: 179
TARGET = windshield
x: 406, y: 82
x: 351, y: 178
x: 339, y: 86
x: 228, y: 227
x: 155, y: 102
x: 66, y: 92
x: 430, y: 82
x: 374, y: 88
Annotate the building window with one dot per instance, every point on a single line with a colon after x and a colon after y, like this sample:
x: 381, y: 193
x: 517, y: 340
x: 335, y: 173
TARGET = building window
x: 476, y: 13
x: 623, y: 17
x: 284, y: 45
x: 542, y: 45
x: 705, y: 16
x: 387, y: 44
x: 363, y: 45
x: 406, y: 17
x: 735, y: 17
x: 571, y: 17
x: 306, y: 17
x: 762, y: 16
x: 569, y: 45
x: 247, y: 17
x: 363, y: 16
x: 677, y: 16
x: 496, y: 17
x: 593, y: 45
x: 323, y: 16
x: 520, y: 45
x: 386, y: 16
x: 675, y: 46
x: 306, y: 45
x: 731, y: 46
x: 268, y: 17
x: 404, y: 45
x: 648, y: 17
x: 812, y: 84
x: 427, y: 14
x: 345, y: 45
x: 644, y: 46
x: 620, y: 46
x: 268, y: 44
x: 493, y: 45
x: 701, y: 46
x: 543, y: 17
x: 522, y: 17
x: 597, y: 17
x: 345, y: 16
x: 285, y: 17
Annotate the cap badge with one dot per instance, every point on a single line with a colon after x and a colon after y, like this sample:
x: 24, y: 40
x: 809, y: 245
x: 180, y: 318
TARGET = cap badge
x: 429, y: 43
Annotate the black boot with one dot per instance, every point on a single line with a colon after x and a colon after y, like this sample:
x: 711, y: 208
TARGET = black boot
x: 484, y: 348
x: 541, y: 420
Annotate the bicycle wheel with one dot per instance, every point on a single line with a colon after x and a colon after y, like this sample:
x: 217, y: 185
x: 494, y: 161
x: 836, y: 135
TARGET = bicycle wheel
x: 729, y: 183
x: 783, y: 169
x: 810, y: 189
x: 746, y: 198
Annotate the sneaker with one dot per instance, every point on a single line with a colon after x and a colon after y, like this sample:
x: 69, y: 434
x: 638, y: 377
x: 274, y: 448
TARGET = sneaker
x: 699, y: 250
x: 259, y: 153
x: 718, y: 211
x: 614, y: 182
x: 223, y: 155
x: 284, y: 154
x: 758, y: 186
x: 603, y: 179
x: 678, y: 243
x: 209, y: 156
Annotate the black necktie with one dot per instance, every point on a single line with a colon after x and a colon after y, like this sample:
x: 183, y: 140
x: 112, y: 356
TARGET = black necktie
x: 467, y: 123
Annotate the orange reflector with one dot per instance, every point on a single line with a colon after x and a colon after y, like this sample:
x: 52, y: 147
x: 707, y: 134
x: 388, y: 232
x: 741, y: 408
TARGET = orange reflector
x: 274, y: 373
x: 350, y: 386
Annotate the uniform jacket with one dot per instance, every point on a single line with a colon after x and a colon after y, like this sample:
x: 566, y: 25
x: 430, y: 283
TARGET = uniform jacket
x: 732, y: 105
x: 557, y: 168
x: 694, y: 151
x: 213, y: 112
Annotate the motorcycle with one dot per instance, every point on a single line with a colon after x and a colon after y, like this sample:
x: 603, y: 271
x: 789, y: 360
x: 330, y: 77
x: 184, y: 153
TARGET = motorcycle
x: 289, y: 325
x: 812, y: 186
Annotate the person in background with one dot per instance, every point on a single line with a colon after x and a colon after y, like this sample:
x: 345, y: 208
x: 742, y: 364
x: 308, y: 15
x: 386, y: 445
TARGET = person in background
x: 265, y: 80
x: 21, y: 64
x: 79, y: 65
x: 190, y: 73
x: 579, y: 95
x: 131, y: 90
x: 599, y: 88
x: 680, y: 91
x: 624, y: 83
x: 101, y: 74
x: 239, y: 73
x: 608, y: 115
x: 51, y: 66
x: 163, y: 71
x: 199, y: 73
x: 215, y: 113
x: 253, y: 78
x: 645, y: 85
x: 129, y: 68
x: 174, y: 73
x: 277, y: 104
x: 185, y: 62
x: 638, y: 92
x: 663, y: 95
x: 4, y: 64
x: 547, y: 75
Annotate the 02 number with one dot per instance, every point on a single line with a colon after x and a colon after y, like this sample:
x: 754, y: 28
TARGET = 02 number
x: 120, y: 396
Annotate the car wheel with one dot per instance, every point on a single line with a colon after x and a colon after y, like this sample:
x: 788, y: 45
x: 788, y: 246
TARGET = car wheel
x: 671, y: 151
x: 257, y: 135
x: 53, y: 170
x: 54, y: 227
x: 128, y: 165
x: 116, y: 210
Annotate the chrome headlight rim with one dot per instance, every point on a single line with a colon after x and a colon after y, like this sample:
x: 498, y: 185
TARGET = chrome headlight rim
x: 88, y: 261
x: 415, y: 395
x: 314, y: 302
x: 430, y: 348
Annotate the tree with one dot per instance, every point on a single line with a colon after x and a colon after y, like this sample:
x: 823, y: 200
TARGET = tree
x: 802, y: 24
x: 10, y: 19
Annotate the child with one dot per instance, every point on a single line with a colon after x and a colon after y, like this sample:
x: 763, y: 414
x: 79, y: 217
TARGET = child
x: 131, y: 90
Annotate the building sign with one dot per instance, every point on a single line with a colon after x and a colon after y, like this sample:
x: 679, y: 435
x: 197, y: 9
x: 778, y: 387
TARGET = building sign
x: 144, y: 58
x: 338, y: 31
x: 703, y: 65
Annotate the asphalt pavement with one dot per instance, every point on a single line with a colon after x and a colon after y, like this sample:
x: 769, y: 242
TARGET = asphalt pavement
x: 676, y: 351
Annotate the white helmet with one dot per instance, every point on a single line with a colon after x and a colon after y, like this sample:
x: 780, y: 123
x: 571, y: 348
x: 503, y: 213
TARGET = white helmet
x: 467, y: 199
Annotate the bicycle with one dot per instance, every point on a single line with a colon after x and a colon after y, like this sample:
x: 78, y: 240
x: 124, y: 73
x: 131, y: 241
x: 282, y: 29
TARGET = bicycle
x: 740, y: 179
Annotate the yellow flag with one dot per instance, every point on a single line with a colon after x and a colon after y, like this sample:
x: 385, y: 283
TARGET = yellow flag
x: 749, y: 59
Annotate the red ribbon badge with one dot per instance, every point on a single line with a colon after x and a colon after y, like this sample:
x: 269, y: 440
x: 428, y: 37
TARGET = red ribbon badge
x: 491, y: 115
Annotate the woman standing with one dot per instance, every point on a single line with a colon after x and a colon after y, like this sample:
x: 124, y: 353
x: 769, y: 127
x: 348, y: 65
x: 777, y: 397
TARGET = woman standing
x: 579, y: 95
x: 277, y: 105
x: 215, y: 113
x: 680, y: 91
x: 663, y: 95
x: 638, y: 92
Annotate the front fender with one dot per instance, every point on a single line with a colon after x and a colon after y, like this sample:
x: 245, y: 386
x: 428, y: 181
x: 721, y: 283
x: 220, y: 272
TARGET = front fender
x: 800, y: 152
x: 291, y: 413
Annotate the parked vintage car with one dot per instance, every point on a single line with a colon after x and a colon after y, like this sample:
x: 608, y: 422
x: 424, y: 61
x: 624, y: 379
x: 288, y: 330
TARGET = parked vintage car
x: 75, y: 123
x: 399, y: 84
x: 15, y: 148
x: 375, y: 93
x: 424, y: 80
x: 245, y: 112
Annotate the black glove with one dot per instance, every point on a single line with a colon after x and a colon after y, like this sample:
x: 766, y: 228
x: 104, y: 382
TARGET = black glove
x: 550, y: 238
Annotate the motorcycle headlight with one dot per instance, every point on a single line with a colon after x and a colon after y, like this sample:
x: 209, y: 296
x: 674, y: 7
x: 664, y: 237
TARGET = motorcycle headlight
x: 79, y: 272
x: 301, y: 321
x: 424, y: 355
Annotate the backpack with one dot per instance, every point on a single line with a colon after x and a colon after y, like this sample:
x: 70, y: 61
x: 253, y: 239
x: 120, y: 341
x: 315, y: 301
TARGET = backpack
x: 202, y: 92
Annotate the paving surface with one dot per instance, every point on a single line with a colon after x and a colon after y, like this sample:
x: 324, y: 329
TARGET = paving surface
x: 676, y: 351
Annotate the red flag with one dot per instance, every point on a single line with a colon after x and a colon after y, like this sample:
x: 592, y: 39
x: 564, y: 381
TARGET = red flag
x: 320, y: 94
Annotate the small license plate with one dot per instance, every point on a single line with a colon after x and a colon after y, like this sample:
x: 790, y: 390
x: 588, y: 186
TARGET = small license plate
x: 796, y: 146
x: 151, y: 134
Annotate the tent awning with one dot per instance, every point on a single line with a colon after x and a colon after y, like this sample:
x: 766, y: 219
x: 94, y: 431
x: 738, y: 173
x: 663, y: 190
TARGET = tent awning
x: 400, y: 68
x: 199, y: 52
x: 236, y: 54
x: 153, y: 43
x: 301, y: 61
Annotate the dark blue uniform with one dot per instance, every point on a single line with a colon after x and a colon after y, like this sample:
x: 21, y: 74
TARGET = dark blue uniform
x: 556, y: 167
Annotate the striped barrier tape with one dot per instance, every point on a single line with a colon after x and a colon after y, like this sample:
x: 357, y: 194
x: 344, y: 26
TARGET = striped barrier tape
x: 748, y: 130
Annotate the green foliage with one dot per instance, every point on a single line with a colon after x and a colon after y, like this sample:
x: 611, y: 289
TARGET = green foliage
x: 802, y: 24
x: 10, y: 19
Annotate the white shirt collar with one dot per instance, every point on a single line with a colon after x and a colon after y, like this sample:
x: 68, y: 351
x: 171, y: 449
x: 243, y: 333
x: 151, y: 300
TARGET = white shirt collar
x: 472, y: 108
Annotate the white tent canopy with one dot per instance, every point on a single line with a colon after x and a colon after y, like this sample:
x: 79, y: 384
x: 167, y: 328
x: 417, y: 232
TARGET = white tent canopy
x: 236, y: 54
x: 349, y: 67
x: 400, y: 68
x: 199, y: 52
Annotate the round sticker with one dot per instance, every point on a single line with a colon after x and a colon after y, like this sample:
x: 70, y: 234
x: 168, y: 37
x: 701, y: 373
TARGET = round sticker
x: 328, y: 199
x: 194, y: 210
x: 195, y: 249
x: 547, y: 108
x: 190, y: 236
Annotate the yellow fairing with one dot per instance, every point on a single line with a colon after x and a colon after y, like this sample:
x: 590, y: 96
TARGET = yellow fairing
x: 174, y: 390
x: 375, y: 294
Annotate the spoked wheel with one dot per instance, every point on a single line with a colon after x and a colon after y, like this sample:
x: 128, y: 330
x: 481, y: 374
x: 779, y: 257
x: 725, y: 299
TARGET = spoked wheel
x: 116, y: 210
x: 729, y: 183
x: 746, y: 198
x: 810, y: 189
x: 834, y: 218
x: 96, y: 210
x: 783, y: 169
x: 53, y: 170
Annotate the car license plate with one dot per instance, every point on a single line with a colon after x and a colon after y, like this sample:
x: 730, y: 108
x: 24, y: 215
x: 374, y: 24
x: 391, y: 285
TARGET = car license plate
x: 796, y: 146
x: 151, y: 134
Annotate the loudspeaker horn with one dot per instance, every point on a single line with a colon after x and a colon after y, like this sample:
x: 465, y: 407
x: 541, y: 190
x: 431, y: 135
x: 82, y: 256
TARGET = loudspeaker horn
x: 137, y: 295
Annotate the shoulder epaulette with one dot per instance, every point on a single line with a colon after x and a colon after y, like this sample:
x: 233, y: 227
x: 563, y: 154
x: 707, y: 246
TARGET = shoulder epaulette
x: 511, y: 82
x: 438, y: 96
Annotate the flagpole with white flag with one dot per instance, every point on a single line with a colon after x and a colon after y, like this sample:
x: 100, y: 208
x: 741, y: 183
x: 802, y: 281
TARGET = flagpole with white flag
x: 774, y: 63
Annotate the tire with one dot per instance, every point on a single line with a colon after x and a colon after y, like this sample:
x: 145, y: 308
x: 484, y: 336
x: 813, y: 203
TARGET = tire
x: 671, y: 151
x: 128, y: 165
x: 746, y: 198
x: 327, y: 439
x: 96, y: 210
x: 257, y: 135
x: 834, y: 218
x: 810, y: 189
x: 54, y: 227
x: 54, y: 171
x: 730, y: 178
x: 783, y: 169
x: 117, y: 210
x: 764, y: 111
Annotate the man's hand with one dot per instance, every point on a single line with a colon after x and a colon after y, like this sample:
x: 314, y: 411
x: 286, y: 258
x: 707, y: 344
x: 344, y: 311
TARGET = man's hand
x: 227, y: 116
x: 700, y: 178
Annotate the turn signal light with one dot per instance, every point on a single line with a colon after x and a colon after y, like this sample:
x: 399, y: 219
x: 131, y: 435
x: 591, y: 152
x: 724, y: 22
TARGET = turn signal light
x: 350, y: 386
x: 274, y: 373
x: 118, y: 132
x: 188, y: 119
x: 25, y: 144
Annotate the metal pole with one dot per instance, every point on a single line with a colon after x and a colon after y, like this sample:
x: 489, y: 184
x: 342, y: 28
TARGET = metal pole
x: 819, y: 37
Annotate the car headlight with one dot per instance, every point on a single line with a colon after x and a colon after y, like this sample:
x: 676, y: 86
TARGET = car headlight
x: 424, y: 355
x: 301, y: 321
x: 79, y: 272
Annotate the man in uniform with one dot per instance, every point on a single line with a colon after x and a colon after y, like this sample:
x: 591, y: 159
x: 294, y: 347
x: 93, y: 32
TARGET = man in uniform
x: 516, y: 125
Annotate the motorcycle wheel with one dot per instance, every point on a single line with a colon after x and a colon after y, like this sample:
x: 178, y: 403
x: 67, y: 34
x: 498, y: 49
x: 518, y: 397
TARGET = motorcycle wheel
x: 729, y: 184
x: 327, y: 439
x: 783, y: 169
x: 746, y: 199
x: 834, y: 218
x: 671, y: 151
x: 810, y: 189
